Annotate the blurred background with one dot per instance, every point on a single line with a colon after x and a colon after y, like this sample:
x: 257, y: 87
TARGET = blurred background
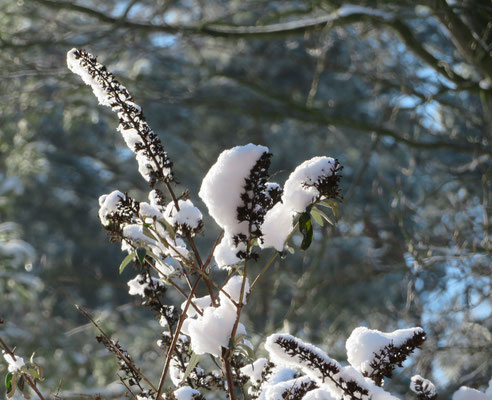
x: 398, y: 90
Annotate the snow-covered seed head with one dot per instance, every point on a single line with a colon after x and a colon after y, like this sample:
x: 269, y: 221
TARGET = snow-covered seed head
x: 153, y: 162
x: 187, y: 220
x: 424, y: 388
x: 315, y: 179
x: 375, y: 354
x: 117, y: 210
x: 235, y: 193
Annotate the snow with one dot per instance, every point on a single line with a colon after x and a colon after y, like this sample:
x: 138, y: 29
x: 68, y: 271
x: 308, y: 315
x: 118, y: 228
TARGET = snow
x: 175, y: 372
x: 226, y: 251
x: 135, y: 233
x: 186, y: 393
x: 14, y: 365
x: 221, y: 192
x: 148, y: 213
x: 132, y: 126
x: 427, y: 386
x: 155, y: 199
x: 277, y: 226
x: 488, y: 392
x: 363, y: 343
x: 200, y: 302
x: 466, y: 393
x: 274, y: 392
x: 139, y: 284
x: 233, y: 289
x: 299, y: 193
x: 254, y: 370
x: 187, y: 216
x: 319, y: 394
x: 130, y: 136
x: 108, y: 203
x: 212, y: 330
x: 349, y: 373
x: 279, y: 356
x: 279, y: 374
x: 74, y: 65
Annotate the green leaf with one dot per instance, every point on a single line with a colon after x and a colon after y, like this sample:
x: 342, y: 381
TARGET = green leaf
x: 328, y: 219
x: 12, y: 384
x: 169, y: 228
x: 126, y: 261
x: 331, y: 204
x: 317, y: 216
x: 306, y: 228
x: 192, y: 364
x: 8, y: 381
x: 141, y: 253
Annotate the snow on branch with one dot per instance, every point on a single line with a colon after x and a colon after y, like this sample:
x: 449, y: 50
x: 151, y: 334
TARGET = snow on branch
x: 341, y: 382
x: 153, y: 162
x: 424, y: 388
x: 237, y: 196
x: 466, y: 393
x: 313, y: 180
x: 288, y: 350
x: 376, y: 354
x: 293, y: 389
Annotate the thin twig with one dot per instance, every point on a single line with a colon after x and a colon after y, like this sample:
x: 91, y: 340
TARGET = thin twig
x: 115, y: 348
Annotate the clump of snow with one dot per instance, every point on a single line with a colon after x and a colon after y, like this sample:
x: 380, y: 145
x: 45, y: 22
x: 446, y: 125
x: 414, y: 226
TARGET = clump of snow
x: 139, y: 284
x: 466, y: 393
x: 364, y: 343
x: 212, y: 330
x: 108, y: 204
x: 276, y: 227
x: 299, y: 192
x: 421, y: 385
x: 319, y: 394
x: 225, y: 253
x: 155, y: 200
x: 254, y: 370
x: 288, y: 350
x: 275, y: 392
x: 221, y: 192
x: 148, y: 213
x: 135, y: 233
x: 233, y: 289
x: 175, y: 372
x: 279, y: 374
x: 349, y: 373
x: 296, y: 358
x: 187, y: 219
x: 152, y: 160
x: 14, y: 365
x: 488, y: 392
x: 200, y: 302
x: 74, y: 65
x: 186, y: 393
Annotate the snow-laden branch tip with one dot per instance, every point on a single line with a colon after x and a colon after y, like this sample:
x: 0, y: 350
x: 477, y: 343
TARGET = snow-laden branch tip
x: 236, y: 194
x: 153, y: 162
x: 313, y: 180
x: 375, y: 354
